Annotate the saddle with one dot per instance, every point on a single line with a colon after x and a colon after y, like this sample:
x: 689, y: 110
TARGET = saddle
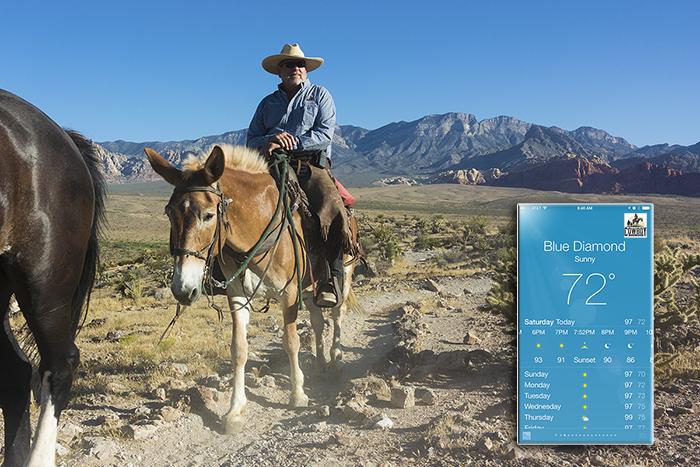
x: 325, y: 217
x: 323, y: 207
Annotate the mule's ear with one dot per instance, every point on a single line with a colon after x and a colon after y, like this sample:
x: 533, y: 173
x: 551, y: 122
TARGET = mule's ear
x: 163, y: 168
x: 214, y: 166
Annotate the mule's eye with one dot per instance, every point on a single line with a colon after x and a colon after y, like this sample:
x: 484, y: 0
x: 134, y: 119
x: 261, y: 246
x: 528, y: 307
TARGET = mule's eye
x: 208, y: 216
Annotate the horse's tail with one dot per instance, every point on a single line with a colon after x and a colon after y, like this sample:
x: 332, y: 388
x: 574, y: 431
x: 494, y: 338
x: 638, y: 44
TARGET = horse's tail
x: 81, y: 296
x: 352, y: 303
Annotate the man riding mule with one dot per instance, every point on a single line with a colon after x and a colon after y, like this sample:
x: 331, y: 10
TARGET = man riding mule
x: 299, y: 118
x: 225, y: 212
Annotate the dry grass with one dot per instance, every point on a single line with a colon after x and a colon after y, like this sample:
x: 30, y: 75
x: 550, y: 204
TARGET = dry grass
x: 122, y: 353
x: 685, y: 365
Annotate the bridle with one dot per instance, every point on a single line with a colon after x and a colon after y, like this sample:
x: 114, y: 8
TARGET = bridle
x: 222, y: 223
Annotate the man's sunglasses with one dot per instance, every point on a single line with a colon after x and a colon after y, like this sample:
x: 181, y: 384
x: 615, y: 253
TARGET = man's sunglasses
x: 299, y: 64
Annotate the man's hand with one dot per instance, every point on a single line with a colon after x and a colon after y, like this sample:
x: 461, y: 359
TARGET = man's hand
x: 285, y: 140
x: 267, y: 148
x: 280, y: 140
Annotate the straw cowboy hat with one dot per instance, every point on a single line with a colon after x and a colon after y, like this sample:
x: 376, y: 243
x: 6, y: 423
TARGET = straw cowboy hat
x: 290, y: 52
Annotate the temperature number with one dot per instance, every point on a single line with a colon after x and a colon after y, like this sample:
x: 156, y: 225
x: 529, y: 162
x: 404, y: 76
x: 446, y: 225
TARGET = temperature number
x: 591, y: 278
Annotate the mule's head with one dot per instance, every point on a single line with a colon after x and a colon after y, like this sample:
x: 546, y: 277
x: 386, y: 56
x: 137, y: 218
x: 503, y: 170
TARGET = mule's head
x: 193, y: 219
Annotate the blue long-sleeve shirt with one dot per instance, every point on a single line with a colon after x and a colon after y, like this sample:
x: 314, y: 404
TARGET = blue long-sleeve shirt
x: 309, y: 117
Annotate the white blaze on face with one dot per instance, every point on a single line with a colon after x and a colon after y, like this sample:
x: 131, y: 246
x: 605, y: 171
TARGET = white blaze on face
x: 43, y: 451
x: 194, y: 230
x: 188, y: 274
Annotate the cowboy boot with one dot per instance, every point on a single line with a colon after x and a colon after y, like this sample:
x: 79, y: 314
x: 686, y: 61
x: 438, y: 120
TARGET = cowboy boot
x: 330, y: 293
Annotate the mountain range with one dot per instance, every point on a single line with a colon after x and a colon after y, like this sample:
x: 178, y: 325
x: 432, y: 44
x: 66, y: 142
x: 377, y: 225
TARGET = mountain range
x: 438, y: 146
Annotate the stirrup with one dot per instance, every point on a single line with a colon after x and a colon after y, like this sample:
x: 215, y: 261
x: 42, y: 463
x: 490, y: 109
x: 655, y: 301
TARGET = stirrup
x: 328, y: 296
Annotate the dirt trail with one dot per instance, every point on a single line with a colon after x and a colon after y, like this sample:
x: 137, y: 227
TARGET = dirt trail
x: 276, y: 435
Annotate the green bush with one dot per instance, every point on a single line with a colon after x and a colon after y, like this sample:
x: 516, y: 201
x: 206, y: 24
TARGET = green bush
x: 422, y: 224
x: 390, y: 250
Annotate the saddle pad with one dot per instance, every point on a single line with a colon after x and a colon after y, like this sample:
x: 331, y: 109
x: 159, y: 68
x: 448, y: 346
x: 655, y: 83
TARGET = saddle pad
x: 348, y: 200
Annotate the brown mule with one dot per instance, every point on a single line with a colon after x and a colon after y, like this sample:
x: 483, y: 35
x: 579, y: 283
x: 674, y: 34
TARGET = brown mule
x: 239, y: 212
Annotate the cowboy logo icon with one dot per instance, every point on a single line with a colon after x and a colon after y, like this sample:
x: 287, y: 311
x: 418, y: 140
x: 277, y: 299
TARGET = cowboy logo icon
x: 636, y: 225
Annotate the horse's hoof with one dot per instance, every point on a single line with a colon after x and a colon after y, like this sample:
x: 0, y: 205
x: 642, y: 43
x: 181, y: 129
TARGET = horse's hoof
x: 299, y: 401
x: 234, y: 426
x: 335, y: 369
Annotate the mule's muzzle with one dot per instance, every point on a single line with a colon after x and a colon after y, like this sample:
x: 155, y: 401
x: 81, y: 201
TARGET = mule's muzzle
x: 188, y: 280
x: 187, y: 297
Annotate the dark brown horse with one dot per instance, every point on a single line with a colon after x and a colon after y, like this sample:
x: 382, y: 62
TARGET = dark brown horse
x: 51, y: 206
x: 234, y: 187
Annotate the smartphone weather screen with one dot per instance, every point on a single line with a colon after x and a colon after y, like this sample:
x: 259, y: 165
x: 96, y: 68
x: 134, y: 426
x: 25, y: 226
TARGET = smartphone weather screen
x: 585, y: 323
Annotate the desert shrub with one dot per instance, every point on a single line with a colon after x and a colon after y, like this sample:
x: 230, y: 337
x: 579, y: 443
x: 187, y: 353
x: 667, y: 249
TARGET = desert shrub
x: 473, y: 233
x: 479, y: 242
x: 436, y: 225
x: 366, y: 243
x: 502, y: 296
x: 478, y: 224
x: 130, y: 285
x: 424, y: 242
x: 382, y: 234
x: 454, y: 256
x: 670, y: 265
x: 155, y: 258
x: 422, y: 224
x: 387, y: 243
x: 390, y: 250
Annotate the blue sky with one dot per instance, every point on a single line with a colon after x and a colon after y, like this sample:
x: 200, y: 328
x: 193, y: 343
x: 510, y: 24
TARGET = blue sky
x: 161, y: 71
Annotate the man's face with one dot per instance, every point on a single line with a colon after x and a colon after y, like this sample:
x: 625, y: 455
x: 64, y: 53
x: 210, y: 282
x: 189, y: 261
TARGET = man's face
x: 292, y: 72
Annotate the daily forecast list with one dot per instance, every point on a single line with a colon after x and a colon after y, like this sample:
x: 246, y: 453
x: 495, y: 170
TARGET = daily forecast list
x: 585, y: 323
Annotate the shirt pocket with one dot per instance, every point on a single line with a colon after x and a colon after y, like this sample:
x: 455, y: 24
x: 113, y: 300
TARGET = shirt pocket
x: 310, y: 113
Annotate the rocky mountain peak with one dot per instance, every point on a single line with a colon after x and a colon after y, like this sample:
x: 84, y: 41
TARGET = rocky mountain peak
x: 427, y: 147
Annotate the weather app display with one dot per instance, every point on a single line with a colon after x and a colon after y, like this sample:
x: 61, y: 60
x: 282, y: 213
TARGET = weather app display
x: 585, y: 324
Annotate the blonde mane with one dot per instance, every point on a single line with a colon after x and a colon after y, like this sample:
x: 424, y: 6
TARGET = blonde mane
x: 237, y: 157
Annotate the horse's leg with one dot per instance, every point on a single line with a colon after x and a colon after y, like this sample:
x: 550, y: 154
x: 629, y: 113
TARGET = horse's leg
x: 15, y: 376
x: 291, y: 344
x: 59, y: 357
x: 336, y: 365
x: 45, y: 301
x: 317, y: 322
x: 232, y: 421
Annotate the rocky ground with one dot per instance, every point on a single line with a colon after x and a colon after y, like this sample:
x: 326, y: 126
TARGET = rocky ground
x: 429, y: 380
